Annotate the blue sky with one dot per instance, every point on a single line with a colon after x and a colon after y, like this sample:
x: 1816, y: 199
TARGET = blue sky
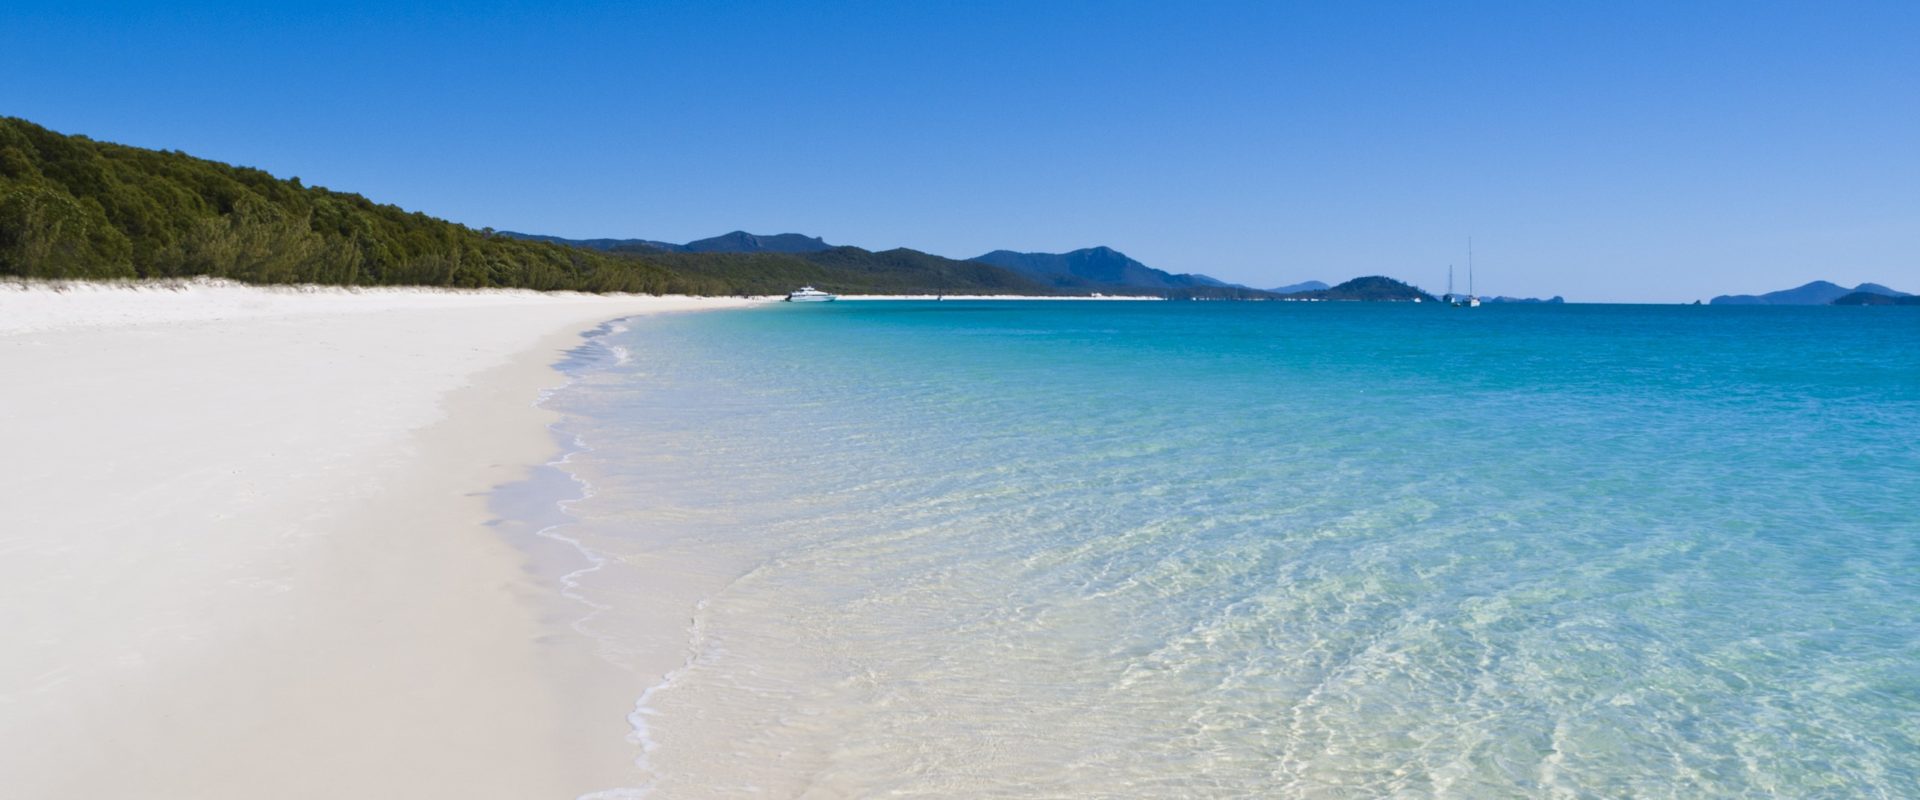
x: 1604, y: 151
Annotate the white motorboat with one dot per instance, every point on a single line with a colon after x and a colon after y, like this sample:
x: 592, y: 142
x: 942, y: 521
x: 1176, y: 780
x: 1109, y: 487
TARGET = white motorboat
x: 808, y: 294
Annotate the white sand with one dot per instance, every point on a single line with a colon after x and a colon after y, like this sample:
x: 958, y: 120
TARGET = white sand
x: 243, y: 553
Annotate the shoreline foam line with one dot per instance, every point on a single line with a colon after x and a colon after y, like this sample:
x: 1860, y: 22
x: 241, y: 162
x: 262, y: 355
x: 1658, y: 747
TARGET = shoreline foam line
x: 570, y: 584
x: 286, y: 552
x: 574, y: 584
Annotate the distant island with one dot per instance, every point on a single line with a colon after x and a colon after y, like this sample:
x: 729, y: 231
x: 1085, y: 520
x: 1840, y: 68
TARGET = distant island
x: 1876, y: 299
x: 1303, y: 286
x: 1373, y: 288
x: 1093, y: 267
x: 1350, y: 290
x: 1108, y: 270
x: 1817, y: 293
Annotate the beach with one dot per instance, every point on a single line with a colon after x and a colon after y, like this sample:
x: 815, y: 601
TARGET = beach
x: 407, y: 543
x: 248, y: 554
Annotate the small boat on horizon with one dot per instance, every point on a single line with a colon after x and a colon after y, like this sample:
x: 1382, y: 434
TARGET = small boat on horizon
x: 808, y: 294
x: 1470, y: 300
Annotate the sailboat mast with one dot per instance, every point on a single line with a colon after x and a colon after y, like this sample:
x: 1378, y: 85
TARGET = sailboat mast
x: 1470, y: 267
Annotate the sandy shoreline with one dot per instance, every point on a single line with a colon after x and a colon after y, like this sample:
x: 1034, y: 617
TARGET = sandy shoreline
x: 246, y: 550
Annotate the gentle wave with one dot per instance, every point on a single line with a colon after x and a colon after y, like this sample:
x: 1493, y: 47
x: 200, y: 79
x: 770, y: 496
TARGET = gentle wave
x: 1239, y: 549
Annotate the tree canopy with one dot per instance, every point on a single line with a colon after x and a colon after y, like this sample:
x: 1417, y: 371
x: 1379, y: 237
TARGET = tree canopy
x: 71, y: 207
x: 75, y: 208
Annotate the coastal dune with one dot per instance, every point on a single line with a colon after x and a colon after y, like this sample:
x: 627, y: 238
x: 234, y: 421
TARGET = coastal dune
x: 244, y: 547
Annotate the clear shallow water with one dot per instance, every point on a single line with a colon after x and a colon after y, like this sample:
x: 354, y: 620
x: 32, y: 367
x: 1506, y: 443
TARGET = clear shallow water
x: 1236, y: 549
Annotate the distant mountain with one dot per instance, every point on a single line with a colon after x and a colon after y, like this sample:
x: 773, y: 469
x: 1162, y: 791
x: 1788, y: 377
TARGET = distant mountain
x: 1303, y: 286
x: 743, y: 242
x: 778, y: 263
x: 604, y: 245
x: 1817, y: 293
x: 1095, y: 268
x: 1373, y: 288
x: 1878, y: 289
x: 1209, y: 280
x: 735, y: 242
x: 1877, y: 299
x: 1554, y: 300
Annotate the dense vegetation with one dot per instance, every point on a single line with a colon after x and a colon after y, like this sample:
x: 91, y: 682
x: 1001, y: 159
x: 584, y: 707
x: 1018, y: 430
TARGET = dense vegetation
x: 735, y: 242
x: 71, y: 207
x: 848, y: 270
x: 74, y: 208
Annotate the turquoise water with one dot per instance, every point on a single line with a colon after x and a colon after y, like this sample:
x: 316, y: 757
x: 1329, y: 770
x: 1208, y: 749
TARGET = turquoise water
x: 1241, y: 549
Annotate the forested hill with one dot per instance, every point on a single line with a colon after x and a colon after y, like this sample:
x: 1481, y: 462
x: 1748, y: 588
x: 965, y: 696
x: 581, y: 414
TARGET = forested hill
x: 1096, y: 268
x: 75, y: 208
x: 71, y: 207
x: 850, y: 270
x: 735, y: 242
x: 1372, y: 288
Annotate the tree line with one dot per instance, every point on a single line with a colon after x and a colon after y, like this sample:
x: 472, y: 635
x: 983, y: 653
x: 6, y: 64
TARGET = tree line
x: 75, y: 208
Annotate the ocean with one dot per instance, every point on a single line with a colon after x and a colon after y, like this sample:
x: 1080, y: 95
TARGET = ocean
x: 1164, y: 549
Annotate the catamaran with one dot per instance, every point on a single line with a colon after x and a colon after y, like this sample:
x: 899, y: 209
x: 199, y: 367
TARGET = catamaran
x: 808, y: 294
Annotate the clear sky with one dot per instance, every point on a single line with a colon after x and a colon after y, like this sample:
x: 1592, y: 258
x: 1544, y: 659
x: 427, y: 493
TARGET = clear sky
x: 1601, y: 150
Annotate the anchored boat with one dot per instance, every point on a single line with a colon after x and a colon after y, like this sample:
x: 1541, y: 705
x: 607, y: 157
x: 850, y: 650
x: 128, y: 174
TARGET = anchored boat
x: 808, y: 294
x: 1469, y: 300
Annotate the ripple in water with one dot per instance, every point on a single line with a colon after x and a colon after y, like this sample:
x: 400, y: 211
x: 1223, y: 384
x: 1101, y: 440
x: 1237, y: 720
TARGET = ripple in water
x: 1178, y: 550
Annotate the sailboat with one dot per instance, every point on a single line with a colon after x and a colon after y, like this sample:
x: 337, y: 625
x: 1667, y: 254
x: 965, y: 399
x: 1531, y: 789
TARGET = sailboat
x: 1471, y: 300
